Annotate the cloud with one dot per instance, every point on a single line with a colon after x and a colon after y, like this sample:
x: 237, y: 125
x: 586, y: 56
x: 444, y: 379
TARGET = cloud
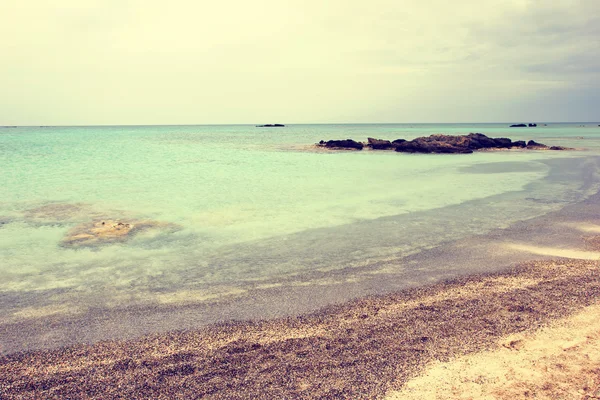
x: 545, y: 40
x: 235, y: 61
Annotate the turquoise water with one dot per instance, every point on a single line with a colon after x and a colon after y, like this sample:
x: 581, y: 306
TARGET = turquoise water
x: 238, y: 206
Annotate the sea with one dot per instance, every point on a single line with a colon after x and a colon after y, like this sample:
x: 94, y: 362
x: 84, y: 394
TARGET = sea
x: 248, y: 222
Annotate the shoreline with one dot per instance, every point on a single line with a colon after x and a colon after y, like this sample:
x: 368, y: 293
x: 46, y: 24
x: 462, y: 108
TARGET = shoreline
x: 338, y: 280
x: 361, y: 349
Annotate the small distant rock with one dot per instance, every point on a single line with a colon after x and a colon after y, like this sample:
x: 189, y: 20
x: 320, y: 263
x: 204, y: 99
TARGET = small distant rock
x: 270, y: 126
x: 518, y: 126
x: 532, y: 125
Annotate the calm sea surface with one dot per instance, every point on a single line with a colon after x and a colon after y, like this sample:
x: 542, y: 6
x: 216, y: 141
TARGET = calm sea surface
x: 241, y: 207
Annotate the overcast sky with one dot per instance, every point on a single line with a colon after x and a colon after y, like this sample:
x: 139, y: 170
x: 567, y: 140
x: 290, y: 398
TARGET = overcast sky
x: 298, y: 61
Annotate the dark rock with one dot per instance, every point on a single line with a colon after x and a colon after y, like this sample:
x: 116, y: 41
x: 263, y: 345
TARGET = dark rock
x: 534, y: 144
x: 411, y: 147
x: 378, y: 144
x: 518, y: 126
x: 436, y: 144
x: 453, y: 144
x: 344, y: 144
x: 270, y: 126
x: 439, y: 143
x: 560, y: 148
x: 503, y: 143
x: 532, y: 125
x: 480, y: 141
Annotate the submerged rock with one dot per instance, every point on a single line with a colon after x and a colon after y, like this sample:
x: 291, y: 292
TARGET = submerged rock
x: 57, y: 212
x: 102, y: 232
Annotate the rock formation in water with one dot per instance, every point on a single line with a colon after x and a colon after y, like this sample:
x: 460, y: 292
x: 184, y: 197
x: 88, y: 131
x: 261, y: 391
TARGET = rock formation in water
x: 436, y: 144
x: 270, y: 126
x: 378, y: 144
x: 108, y: 231
x: 535, y: 145
x: 439, y: 143
x: 342, y: 144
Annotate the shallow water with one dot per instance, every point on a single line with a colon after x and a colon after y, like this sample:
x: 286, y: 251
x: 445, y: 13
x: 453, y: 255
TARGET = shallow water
x: 239, y: 207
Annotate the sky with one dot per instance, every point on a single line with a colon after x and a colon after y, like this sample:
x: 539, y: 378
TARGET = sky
x: 88, y: 62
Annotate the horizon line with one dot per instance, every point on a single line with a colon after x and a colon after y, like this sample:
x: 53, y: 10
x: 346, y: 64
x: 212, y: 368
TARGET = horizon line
x: 303, y: 123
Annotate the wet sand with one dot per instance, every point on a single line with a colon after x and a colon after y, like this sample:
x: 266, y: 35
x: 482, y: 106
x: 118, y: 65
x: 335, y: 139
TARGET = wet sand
x: 363, y: 349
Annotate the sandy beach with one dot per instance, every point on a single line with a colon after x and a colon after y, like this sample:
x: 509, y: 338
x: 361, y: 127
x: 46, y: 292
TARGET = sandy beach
x: 560, y: 361
x: 370, y: 348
